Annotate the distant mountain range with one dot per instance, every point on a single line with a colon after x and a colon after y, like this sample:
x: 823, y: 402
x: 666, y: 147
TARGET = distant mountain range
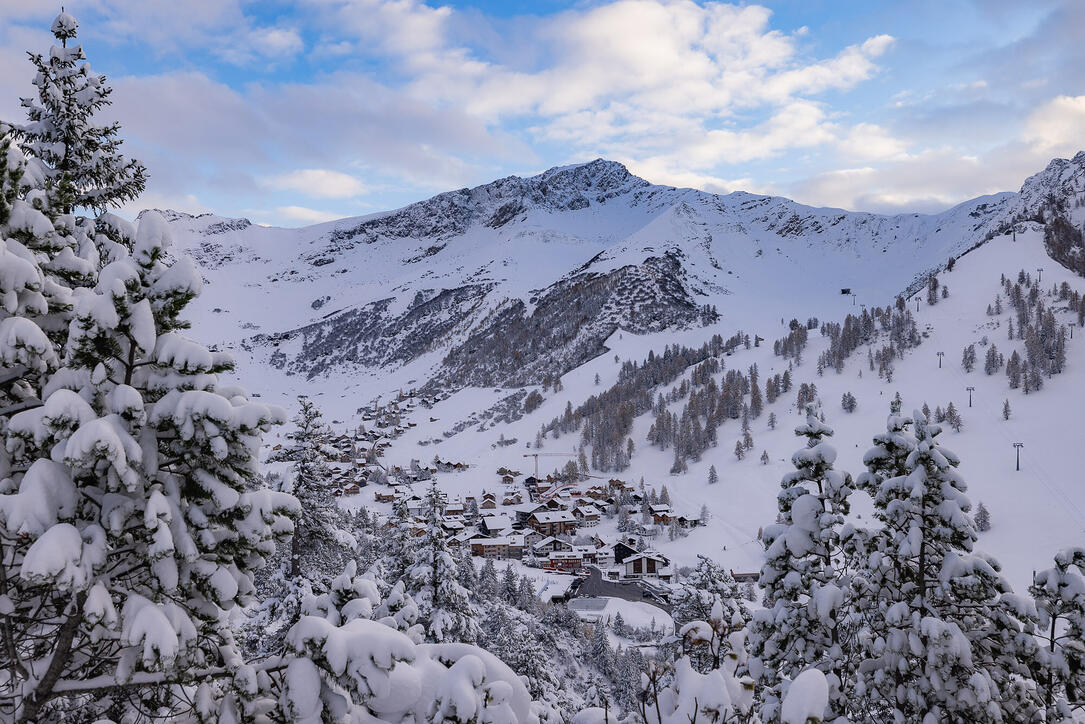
x: 504, y: 284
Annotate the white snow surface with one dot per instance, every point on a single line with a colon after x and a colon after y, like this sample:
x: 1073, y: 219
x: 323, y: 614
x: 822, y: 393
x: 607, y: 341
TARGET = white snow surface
x: 258, y: 281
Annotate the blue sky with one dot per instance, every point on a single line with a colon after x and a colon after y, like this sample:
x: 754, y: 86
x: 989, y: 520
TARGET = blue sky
x: 296, y: 112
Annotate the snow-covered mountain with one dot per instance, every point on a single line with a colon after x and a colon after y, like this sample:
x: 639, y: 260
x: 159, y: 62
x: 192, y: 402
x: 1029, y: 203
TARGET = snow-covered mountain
x: 490, y: 290
x: 506, y: 283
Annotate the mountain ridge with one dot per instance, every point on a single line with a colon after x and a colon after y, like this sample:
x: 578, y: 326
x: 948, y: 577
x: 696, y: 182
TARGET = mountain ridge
x: 538, y: 272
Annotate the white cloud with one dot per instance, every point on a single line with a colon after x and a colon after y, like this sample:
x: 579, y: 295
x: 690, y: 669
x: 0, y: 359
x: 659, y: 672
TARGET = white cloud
x: 1058, y: 127
x: 318, y: 182
x: 306, y: 215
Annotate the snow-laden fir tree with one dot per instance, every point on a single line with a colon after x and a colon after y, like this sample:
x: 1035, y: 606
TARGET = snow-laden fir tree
x: 713, y: 476
x: 707, y: 588
x: 804, y: 622
x: 312, y: 483
x: 983, y: 518
x: 943, y: 639
x: 80, y: 159
x: 129, y: 503
x: 1059, y: 593
x: 433, y: 580
x: 321, y: 543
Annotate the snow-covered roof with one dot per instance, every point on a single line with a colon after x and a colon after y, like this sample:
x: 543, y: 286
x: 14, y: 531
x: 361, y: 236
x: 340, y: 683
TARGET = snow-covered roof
x: 496, y: 522
x: 559, y: 516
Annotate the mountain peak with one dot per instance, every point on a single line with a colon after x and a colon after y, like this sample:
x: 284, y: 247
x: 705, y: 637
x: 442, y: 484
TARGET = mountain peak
x: 600, y: 175
x: 1062, y: 178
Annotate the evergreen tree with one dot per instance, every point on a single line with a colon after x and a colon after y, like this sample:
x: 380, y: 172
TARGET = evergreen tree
x: 528, y: 658
x: 804, y: 553
x: 80, y: 159
x: 466, y: 574
x: 968, y: 358
x: 510, y: 586
x: 713, y: 476
x: 132, y: 492
x: 708, y: 585
x: 764, y: 457
x: 487, y: 580
x: 953, y: 417
x: 1005, y: 409
x: 1013, y: 370
x: 983, y: 518
x: 433, y: 580
x: 1059, y: 593
x: 992, y: 362
x: 312, y: 484
x: 526, y: 598
x: 600, y: 653
x: 772, y: 420
x: 740, y: 452
x: 947, y: 640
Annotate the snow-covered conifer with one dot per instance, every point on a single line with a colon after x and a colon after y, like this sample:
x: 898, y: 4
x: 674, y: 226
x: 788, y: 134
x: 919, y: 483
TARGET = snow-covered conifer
x: 80, y: 159
x: 132, y: 491
x: 983, y: 518
x: 946, y: 637
x: 803, y: 623
x: 1059, y: 593
x: 433, y: 580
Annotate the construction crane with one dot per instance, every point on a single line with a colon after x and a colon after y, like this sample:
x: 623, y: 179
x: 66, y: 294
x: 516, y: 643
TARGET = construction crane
x: 547, y: 455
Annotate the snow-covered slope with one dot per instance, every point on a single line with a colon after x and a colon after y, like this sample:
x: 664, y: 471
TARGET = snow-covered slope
x: 492, y: 288
x: 505, y: 283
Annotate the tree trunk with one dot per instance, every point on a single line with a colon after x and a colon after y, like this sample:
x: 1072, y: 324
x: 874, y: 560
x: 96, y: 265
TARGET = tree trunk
x: 61, y: 656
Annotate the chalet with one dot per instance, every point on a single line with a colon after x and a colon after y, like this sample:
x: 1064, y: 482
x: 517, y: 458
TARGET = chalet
x: 414, y: 505
x: 745, y: 577
x: 454, y: 508
x: 587, y: 516
x: 501, y: 548
x: 549, y: 545
x: 507, y: 480
x: 489, y: 502
x: 451, y: 527
x: 524, y: 511
x: 621, y: 551
x: 464, y: 537
x: 553, y: 523
x: 512, y: 498
x: 494, y: 525
x: 661, y: 514
x: 604, y: 556
x: 352, y: 489
x: 587, y: 553
x: 596, y: 492
x: 647, y: 565
x: 685, y: 521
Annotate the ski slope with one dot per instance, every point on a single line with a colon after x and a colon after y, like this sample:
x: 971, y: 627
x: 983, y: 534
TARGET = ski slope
x: 1034, y: 511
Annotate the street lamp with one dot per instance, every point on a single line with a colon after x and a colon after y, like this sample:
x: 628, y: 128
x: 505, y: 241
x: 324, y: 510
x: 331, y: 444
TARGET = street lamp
x: 940, y: 359
x: 1018, y: 446
x: 970, y: 390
